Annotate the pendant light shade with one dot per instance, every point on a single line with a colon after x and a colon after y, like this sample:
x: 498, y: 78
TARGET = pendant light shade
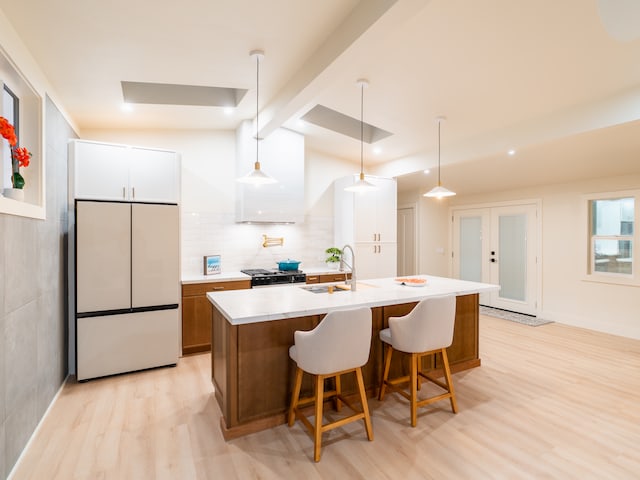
x: 257, y: 176
x: 361, y: 185
x: 439, y: 191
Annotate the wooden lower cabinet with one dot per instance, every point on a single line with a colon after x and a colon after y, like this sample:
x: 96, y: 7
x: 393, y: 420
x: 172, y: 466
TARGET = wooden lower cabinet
x: 253, y: 374
x: 196, y: 313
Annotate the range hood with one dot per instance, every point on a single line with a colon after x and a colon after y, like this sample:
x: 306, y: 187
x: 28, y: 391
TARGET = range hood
x: 281, y: 157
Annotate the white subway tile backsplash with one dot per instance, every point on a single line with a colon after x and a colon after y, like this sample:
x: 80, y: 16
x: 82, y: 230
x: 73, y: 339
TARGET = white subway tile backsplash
x: 240, y: 245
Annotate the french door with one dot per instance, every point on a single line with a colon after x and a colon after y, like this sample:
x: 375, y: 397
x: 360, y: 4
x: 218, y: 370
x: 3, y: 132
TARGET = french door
x: 499, y: 245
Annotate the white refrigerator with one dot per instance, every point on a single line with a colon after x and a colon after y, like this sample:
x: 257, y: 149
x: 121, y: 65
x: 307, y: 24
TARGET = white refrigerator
x: 127, y: 261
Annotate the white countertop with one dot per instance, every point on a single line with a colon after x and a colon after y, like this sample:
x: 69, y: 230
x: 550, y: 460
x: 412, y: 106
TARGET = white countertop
x: 266, y: 304
x: 230, y: 276
x: 219, y: 277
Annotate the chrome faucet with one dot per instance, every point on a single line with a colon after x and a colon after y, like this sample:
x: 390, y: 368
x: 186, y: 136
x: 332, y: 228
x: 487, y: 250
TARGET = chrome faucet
x: 352, y: 267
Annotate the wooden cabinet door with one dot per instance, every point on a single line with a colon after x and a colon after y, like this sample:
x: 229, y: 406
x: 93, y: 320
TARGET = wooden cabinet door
x: 196, y: 324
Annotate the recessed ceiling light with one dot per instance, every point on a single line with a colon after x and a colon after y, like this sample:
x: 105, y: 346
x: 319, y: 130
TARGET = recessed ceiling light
x: 228, y: 110
x: 126, y: 107
x: 426, y: 171
x: 377, y: 150
x: 511, y: 152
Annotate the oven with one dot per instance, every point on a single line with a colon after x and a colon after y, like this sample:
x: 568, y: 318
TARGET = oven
x: 261, y: 277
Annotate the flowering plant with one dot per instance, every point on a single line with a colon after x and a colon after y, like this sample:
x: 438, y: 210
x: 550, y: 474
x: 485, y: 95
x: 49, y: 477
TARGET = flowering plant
x: 20, y: 156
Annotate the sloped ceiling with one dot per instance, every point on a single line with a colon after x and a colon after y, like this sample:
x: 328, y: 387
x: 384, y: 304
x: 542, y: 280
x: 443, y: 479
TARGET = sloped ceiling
x: 549, y: 79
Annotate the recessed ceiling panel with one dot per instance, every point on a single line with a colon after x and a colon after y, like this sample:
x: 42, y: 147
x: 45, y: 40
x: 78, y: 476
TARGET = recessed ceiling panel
x: 170, y: 94
x: 338, y: 122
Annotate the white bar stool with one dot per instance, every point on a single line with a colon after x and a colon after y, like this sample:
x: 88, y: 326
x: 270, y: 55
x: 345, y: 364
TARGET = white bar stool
x: 339, y: 344
x: 425, y: 330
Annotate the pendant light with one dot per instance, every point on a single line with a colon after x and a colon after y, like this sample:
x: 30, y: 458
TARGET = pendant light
x: 361, y: 185
x: 257, y: 176
x: 439, y: 191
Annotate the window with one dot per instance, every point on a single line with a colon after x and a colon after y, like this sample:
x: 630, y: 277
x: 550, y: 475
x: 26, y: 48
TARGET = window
x: 10, y: 110
x: 612, y: 237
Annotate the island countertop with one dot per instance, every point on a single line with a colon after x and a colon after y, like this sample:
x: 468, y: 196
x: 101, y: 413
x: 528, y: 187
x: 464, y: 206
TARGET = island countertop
x: 266, y: 304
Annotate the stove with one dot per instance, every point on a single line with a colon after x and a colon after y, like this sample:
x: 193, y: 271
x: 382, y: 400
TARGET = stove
x: 261, y: 277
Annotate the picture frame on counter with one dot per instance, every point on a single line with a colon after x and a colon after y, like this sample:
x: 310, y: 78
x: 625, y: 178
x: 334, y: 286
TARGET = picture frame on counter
x: 212, y: 265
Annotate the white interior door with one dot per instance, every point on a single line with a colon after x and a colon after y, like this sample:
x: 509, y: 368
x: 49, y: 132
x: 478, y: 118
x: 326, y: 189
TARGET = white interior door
x: 406, y: 241
x: 499, y: 245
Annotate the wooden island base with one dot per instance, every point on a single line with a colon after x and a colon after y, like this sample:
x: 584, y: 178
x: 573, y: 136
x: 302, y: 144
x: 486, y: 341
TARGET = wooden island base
x: 253, y: 375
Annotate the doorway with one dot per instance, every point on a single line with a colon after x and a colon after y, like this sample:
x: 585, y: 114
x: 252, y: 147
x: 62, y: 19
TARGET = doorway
x: 406, y: 241
x: 499, y: 245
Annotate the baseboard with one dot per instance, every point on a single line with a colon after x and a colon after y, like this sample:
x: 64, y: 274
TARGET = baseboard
x: 36, y: 430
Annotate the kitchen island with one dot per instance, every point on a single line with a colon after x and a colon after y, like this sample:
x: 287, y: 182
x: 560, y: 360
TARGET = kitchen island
x: 252, y: 331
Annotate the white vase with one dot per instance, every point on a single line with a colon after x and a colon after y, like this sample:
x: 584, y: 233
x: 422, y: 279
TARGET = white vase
x: 14, y: 193
x: 333, y: 265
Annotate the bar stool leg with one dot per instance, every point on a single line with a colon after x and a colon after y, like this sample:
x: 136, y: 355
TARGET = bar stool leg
x: 338, y: 402
x: 447, y: 379
x: 295, y: 395
x: 413, y: 380
x: 365, y: 405
x: 317, y: 432
x: 388, y: 350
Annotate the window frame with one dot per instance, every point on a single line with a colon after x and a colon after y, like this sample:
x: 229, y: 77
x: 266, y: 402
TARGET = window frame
x: 591, y: 274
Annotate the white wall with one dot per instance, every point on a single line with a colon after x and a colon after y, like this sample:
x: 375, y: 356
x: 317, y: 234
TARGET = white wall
x: 208, y: 202
x: 566, y: 296
x: 433, y: 250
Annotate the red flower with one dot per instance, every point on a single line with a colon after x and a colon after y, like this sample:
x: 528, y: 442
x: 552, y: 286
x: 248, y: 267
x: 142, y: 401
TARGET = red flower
x: 8, y: 132
x: 22, y: 155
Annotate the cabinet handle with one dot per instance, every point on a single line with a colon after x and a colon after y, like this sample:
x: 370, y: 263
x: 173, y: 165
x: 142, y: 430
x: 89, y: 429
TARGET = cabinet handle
x: 124, y: 193
x: 378, y: 237
x: 133, y: 191
x: 218, y: 288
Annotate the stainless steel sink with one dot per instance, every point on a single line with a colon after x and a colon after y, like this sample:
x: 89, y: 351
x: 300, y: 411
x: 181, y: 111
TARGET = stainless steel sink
x: 321, y: 288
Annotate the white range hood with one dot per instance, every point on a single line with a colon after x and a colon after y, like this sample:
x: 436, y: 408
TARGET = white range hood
x: 281, y: 157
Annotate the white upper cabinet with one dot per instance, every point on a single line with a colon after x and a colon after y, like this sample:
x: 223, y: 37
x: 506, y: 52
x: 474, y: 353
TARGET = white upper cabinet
x: 154, y: 175
x: 281, y: 156
x: 117, y: 172
x: 368, y: 222
x: 368, y: 216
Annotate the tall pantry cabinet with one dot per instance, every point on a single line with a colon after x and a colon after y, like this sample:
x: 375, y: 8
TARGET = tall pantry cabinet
x: 124, y: 258
x: 367, y: 222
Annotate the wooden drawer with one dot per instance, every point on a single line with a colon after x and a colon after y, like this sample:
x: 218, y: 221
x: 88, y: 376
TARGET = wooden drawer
x: 313, y: 278
x: 192, y: 289
x: 333, y: 277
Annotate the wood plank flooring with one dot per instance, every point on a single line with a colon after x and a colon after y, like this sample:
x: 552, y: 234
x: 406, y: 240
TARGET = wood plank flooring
x: 548, y: 402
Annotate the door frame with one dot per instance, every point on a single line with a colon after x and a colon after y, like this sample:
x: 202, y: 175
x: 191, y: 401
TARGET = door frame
x: 416, y: 233
x: 538, y: 248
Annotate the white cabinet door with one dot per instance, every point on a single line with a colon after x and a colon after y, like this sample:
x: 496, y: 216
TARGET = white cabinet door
x: 386, y: 210
x: 103, y: 256
x: 154, y: 176
x: 155, y: 250
x: 119, y: 172
x: 375, y: 260
x: 101, y: 172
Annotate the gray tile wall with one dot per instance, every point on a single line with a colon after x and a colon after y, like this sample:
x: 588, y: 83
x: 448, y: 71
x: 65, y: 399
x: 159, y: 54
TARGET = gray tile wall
x: 33, y: 303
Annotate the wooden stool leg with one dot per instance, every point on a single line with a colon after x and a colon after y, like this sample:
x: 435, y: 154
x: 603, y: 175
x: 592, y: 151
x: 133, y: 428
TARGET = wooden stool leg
x: 295, y: 396
x: 338, y: 403
x: 317, y: 432
x: 388, y: 350
x: 365, y: 405
x: 448, y: 381
x: 413, y: 380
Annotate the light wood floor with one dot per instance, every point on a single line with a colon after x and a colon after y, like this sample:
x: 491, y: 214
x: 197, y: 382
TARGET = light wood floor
x: 548, y: 402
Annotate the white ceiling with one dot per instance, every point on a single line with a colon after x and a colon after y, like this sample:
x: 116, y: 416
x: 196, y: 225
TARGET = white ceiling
x: 547, y: 78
